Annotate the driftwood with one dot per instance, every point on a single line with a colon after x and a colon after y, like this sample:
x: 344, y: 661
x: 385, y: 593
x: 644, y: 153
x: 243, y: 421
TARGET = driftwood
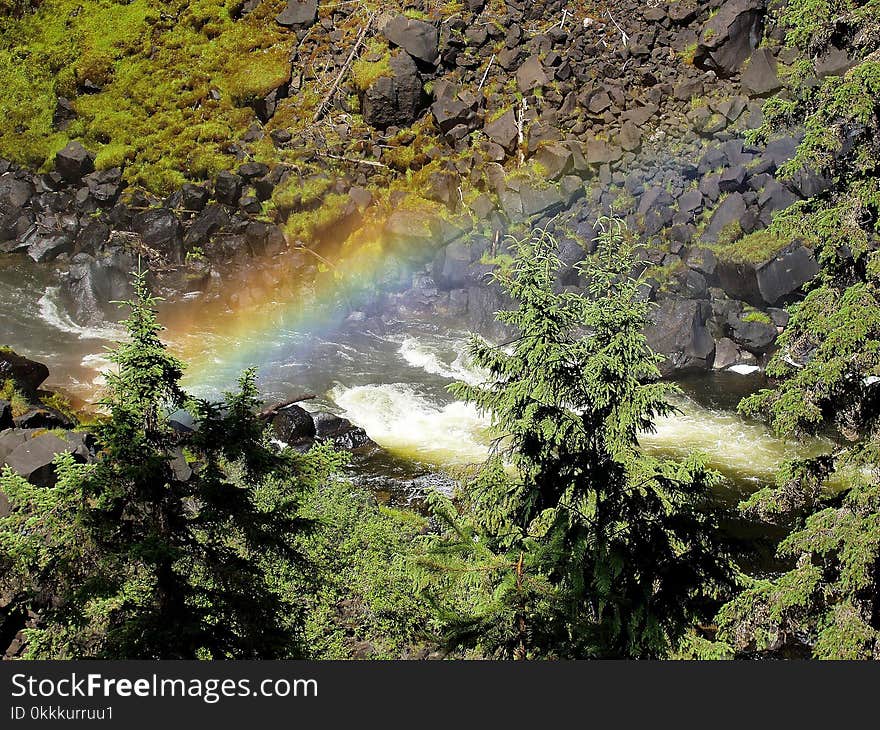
x: 272, y: 411
x: 319, y: 112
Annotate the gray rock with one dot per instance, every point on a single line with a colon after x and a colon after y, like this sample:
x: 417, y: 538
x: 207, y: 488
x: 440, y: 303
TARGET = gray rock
x: 293, y: 424
x: 772, y: 281
x: 27, y: 374
x: 450, y: 112
x: 396, y: 100
x: 227, y: 187
x: 726, y: 354
x: 417, y: 38
x: 531, y: 75
x: 751, y: 333
x: 34, y: 458
x: 760, y: 78
x: 5, y: 415
x: 93, y: 284
x: 212, y: 219
x: 535, y: 200
x: 160, y: 229
x: 729, y: 212
x: 301, y: 13
x: 503, y: 130
x: 678, y: 330
x: 74, y: 161
x: 730, y: 36
x: 43, y: 245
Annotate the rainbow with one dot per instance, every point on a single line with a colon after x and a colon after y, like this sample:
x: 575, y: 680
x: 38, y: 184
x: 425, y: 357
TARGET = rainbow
x: 274, y: 309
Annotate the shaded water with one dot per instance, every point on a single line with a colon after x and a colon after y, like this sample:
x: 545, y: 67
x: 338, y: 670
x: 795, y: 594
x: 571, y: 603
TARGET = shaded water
x: 388, y: 376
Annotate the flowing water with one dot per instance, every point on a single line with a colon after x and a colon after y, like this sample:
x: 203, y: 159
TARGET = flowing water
x: 388, y: 376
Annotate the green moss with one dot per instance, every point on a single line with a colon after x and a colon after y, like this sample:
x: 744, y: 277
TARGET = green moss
x: 754, y: 248
x: 157, y: 63
x: 19, y: 402
x: 365, y: 72
x: 61, y: 404
x: 756, y: 315
x: 305, y: 225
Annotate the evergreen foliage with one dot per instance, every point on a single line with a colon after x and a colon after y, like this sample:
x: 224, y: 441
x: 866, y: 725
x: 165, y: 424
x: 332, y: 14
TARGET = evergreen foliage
x: 570, y: 541
x: 828, y: 362
x: 171, y: 545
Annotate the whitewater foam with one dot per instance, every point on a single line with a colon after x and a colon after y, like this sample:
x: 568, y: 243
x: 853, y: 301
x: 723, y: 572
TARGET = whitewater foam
x: 422, y: 355
x: 403, y: 420
x: 53, y: 314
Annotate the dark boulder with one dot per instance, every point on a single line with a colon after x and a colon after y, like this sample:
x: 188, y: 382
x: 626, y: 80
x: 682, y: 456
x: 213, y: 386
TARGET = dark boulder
x: 730, y: 36
x: 771, y: 281
x: 74, y: 162
x: 227, y: 187
x: 92, y: 284
x: 450, y: 112
x: 43, y: 417
x: 28, y: 375
x: 754, y: 331
x: 503, y: 131
x: 540, y: 200
x: 454, y: 266
x: 11, y: 439
x: 34, y: 458
x: 193, y: 198
x: 302, y: 13
x: 340, y: 431
x: 678, y: 330
x: 760, y: 77
x: 397, y: 99
x: 418, y: 38
x: 161, y: 230
x: 212, y: 219
x: 14, y: 192
x: 531, y: 75
x: 5, y: 415
x: 46, y: 245
x: 293, y: 424
x: 482, y: 304
x: 729, y: 213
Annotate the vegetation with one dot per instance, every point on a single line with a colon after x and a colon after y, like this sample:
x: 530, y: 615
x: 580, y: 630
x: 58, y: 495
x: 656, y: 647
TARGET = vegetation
x: 587, y: 546
x: 17, y: 400
x: 828, y: 362
x: 165, y: 547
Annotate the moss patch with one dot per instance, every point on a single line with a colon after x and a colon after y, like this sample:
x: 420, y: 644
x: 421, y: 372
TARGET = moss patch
x: 754, y: 248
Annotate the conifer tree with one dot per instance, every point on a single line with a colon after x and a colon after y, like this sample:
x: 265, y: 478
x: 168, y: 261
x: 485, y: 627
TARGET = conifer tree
x: 571, y: 541
x: 171, y: 545
x: 828, y: 363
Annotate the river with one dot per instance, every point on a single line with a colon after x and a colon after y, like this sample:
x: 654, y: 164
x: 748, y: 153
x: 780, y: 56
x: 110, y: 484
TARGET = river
x: 386, y: 375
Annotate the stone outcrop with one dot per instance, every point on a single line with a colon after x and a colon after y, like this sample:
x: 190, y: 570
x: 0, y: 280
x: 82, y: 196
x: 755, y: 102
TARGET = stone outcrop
x: 397, y: 99
x: 730, y: 36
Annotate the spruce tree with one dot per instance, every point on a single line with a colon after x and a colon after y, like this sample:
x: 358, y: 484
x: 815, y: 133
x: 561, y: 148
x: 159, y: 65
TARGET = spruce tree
x: 172, y: 545
x: 571, y: 541
x: 828, y: 363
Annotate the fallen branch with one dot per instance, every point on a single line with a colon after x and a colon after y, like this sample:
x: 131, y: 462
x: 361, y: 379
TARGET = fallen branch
x: 622, y: 32
x: 319, y: 112
x: 353, y: 160
x: 486, y: 72
x: 272, y: 411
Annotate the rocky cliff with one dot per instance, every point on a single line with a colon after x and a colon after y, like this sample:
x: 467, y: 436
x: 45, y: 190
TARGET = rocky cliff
x: 440, y: 128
